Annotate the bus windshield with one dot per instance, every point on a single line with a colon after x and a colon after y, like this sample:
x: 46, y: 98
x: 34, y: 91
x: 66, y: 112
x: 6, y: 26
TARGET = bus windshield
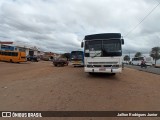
x: 107, y: 47
x: 76, y: 55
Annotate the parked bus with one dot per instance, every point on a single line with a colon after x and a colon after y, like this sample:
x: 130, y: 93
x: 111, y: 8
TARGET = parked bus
x: 103, y: 53
x: 12, y: 56
x: 138, y: 60
x: 77, y: 58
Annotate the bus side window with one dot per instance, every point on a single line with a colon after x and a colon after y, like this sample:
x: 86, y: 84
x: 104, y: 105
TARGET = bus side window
x: 10, y: 53
x: 5, y: 53
x: 16, y: 54
x: 13, y: 53
x: 86, y: 45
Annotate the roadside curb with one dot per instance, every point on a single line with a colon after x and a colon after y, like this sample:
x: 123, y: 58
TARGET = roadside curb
x: 149, y: 71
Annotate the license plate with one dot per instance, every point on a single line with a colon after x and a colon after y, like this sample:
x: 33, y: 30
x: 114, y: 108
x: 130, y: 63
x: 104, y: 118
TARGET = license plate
x: 102, y: 69
x: 76, y: 62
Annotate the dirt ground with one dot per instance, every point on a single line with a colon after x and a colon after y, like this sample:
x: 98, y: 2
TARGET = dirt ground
x: 39, y: 86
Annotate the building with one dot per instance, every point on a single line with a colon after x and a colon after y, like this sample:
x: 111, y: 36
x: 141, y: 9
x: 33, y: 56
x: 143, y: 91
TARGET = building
x: 11, y: 47
x: 30, y: 51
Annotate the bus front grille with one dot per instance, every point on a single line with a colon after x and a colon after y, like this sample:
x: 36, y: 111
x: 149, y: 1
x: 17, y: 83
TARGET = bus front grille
x: 106, y: 66
x: 102, y: 63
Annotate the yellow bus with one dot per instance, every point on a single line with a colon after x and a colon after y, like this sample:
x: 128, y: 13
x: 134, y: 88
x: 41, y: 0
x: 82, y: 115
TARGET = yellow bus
x: 13, y: 56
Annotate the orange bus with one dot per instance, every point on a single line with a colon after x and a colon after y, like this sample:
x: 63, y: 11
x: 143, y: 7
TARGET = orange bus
x: 13, y: 56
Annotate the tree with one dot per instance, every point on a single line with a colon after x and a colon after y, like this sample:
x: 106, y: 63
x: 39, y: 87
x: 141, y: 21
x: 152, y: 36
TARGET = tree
x: 138, y: 54
x: 126, y: 58
x: 155, y: 53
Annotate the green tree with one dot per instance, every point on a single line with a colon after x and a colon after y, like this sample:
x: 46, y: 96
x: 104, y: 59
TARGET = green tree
x: 155, y: 53
x: 126, y: 58
x: 138, y: 54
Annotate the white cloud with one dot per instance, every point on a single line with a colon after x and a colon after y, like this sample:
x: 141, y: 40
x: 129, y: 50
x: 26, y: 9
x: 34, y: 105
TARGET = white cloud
x: 60, y: 25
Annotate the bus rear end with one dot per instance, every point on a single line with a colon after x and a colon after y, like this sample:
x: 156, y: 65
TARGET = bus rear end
x: 22, y: 57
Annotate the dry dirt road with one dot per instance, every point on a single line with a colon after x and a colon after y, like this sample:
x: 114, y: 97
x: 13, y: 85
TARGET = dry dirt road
x: 40, y: 86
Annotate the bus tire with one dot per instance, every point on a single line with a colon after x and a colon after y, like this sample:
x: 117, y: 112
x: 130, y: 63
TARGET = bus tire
x: 91, y: 73
x: 113, y: 74
x: 11, y: 61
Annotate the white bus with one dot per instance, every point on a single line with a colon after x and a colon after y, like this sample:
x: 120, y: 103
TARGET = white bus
x: 103, y: 53
x: 138, y: 60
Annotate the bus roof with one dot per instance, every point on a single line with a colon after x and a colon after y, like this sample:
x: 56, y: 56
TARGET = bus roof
x: 102, y: 36
x: 12, y: 51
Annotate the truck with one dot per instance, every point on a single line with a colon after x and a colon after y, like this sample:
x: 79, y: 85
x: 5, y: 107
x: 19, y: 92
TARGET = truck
x: 60, y: 62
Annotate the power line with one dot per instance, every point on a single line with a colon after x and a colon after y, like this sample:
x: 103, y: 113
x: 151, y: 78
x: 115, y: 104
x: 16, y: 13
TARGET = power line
x: 142, y: 20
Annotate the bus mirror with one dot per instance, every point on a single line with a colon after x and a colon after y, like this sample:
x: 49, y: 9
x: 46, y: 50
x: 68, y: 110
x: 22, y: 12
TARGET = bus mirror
x: 122, y: 41
x: 81, y: 44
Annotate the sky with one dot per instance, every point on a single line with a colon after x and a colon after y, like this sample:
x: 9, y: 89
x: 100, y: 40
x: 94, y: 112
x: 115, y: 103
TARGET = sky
x: 60, y: 25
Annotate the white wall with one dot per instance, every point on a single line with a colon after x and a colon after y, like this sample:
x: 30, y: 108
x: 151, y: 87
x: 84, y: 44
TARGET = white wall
x: 27, y: 51
x: 35, y: 52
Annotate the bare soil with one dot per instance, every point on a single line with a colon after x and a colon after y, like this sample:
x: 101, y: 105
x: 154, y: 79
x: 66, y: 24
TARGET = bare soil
x: 39, y: 86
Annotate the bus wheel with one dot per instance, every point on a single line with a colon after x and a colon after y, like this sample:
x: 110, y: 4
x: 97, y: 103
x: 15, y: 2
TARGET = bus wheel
x: 113, y: 73
x: 91, y: 73
x: 11, y: 61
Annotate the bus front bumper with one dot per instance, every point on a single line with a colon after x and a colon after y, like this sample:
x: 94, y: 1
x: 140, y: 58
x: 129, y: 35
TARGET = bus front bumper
x: 103, y: 70
x: 77, y: 63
